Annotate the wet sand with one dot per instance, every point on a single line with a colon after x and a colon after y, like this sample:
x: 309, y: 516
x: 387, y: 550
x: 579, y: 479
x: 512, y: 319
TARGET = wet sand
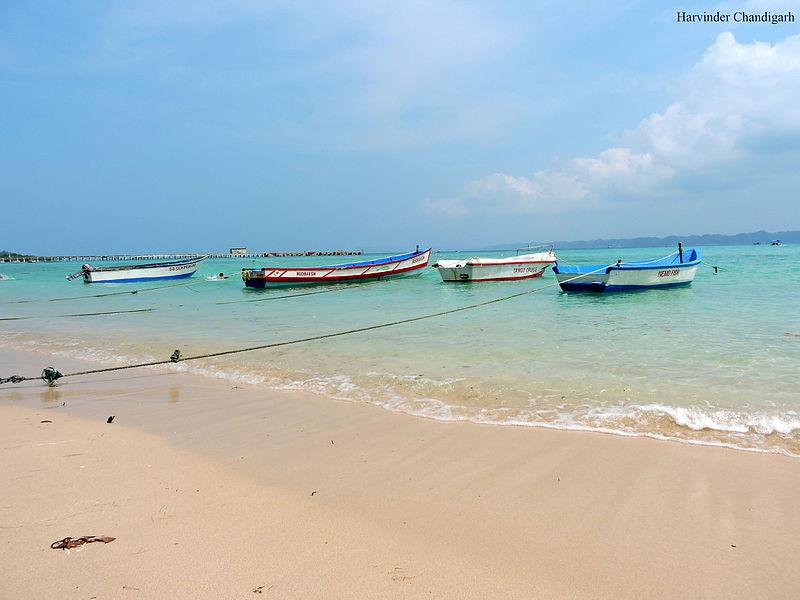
x: 220, y: 491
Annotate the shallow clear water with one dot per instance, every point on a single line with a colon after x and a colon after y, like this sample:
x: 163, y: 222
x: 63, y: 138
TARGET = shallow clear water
x: 716, y: 362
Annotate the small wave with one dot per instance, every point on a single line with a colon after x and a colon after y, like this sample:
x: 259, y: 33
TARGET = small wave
x: 729, y: 421
x: 232, y: 375
x: 454, y: 399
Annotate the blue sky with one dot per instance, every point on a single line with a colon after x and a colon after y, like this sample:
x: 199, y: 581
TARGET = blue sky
x: 154, y: 126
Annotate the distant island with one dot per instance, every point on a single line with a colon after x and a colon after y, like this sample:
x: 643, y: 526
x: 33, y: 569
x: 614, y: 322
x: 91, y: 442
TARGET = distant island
x: 707, y: 239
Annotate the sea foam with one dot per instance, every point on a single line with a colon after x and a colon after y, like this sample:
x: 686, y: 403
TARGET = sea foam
x: 698, y: 419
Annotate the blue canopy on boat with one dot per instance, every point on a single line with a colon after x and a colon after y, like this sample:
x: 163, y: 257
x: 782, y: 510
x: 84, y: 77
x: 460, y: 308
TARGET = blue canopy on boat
x: 691, y: 256
x: 377, y: 261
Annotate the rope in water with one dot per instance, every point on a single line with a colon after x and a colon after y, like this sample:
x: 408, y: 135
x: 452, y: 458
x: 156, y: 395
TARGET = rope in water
x: 139, y: 310
x: 92, y: 314
x: 50, y: 375
x: 338, y: 288
x: 122, y: 293
x: 162, y: 287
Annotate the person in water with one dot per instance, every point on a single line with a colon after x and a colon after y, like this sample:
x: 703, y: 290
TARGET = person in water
x: 222, y: 276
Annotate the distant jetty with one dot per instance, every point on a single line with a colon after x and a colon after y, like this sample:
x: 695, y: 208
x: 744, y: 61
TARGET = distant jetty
x: 18, y: 258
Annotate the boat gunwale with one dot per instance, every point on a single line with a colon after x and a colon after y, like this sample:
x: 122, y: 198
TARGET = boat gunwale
x: 339, y: 279
x: 655, y: 264
x: 493, y: 264
x: 174, y: 263
x: 389, y: 260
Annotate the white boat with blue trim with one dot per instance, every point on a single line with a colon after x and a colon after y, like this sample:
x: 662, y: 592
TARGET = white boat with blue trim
x: 678, y: 268
x: 174, y: 269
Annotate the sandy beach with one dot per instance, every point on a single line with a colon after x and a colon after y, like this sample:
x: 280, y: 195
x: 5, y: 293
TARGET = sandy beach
x: 400, y: 300
x: 214, y: 490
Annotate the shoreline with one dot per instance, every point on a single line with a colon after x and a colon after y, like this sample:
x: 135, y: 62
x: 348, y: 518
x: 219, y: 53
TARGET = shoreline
x: 223, y: 377
x: 409, y: 507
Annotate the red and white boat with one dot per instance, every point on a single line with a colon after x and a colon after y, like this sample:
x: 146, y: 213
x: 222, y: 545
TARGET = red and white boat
x: 523, y: 266
x: 400, y: 265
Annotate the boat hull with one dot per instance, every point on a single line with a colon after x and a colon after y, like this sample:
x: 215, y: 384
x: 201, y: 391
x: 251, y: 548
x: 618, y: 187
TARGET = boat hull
x: 132, y: 275
x: 404, y: 266
x: 487, y: 269
x: 473, y: 274
x: 621, y: 277
x: 620, y: 281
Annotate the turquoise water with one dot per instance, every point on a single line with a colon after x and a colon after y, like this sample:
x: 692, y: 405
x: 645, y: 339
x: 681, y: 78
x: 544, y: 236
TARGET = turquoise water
x: 715, y: 362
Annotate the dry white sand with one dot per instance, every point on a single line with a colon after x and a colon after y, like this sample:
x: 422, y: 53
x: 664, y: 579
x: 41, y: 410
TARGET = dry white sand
x: 219, y: 491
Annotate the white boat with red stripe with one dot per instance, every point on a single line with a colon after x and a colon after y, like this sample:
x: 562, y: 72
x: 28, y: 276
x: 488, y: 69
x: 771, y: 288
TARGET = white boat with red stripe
x: 512, y: 268
x: 399, y: 265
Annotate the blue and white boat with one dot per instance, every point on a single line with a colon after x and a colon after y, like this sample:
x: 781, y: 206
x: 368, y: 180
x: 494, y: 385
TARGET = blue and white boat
x: 678, y: 268
x: 174, y: 269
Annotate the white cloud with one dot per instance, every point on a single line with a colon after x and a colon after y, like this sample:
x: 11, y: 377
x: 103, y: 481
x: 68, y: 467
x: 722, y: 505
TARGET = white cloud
x: 622, y: 166
x: 416, y: 50
x: 384, y: 74
x: 452, y: 207
x: 523, y: 194
x: 736, y: 93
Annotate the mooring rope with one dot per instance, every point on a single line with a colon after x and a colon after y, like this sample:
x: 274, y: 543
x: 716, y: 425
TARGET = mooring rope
x: 50, y: 374
x: 338, y: 288
x: 119, y: 312
x: 121, y: 293
x: 93, y: 314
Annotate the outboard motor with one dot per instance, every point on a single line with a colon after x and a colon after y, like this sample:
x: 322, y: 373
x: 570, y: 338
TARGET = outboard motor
x: 84, y: 269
